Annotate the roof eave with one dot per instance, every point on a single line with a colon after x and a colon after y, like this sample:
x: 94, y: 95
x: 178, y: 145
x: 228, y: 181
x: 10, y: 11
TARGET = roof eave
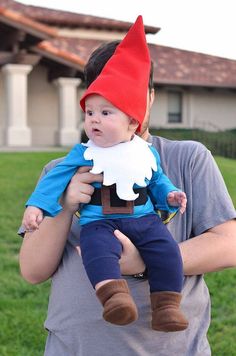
x: 63, y: 57
x: 193, y: 84
x: 16, y: 20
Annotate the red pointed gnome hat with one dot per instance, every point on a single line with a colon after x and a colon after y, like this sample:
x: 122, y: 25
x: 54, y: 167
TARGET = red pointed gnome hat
x: 124, y: 79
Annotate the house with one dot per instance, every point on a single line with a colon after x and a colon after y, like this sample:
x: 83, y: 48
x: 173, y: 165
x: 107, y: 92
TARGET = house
x: 42, y: 56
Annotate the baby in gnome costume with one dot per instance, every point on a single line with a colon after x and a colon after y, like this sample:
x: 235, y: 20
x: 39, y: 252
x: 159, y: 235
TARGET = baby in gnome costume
x: 134, y: 187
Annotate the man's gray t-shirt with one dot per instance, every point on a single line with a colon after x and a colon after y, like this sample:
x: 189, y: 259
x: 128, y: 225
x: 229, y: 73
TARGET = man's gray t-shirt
x: 74, y: 318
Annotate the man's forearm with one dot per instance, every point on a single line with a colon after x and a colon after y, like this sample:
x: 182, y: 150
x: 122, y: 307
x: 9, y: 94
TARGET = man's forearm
x: 212, y: 251
x: 42, y: 249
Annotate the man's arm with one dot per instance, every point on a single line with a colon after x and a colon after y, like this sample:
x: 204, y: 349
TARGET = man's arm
x: 41, y: 250
x: 211, y: 251
x: 213, y: 224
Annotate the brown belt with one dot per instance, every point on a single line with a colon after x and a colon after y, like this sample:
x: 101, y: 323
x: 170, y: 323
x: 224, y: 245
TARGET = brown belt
x: 112, y: 204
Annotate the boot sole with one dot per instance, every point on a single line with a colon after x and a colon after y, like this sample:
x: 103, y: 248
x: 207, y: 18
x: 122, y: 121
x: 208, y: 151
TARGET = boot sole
x: 170, y: 327
x: 121, y: 315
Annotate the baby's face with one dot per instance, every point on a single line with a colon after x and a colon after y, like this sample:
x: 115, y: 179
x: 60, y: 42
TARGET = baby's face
x: 105, y: 124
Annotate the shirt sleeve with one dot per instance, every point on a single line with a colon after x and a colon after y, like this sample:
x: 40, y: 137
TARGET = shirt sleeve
x: 45, y: 170
x: 50, y: 188
x: 160, y: 186
x: 211, y: 202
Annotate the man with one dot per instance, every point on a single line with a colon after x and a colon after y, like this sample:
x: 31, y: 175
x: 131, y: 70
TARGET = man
x: 206, y: 234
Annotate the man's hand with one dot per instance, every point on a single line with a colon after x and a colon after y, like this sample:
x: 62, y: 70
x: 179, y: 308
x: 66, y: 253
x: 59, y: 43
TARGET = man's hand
x: 177, y: 199
x: 130, y: 261
x: 80, y: 189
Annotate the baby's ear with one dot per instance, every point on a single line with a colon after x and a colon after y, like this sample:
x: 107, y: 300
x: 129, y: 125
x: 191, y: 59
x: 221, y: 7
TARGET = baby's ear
x: 133, y: 124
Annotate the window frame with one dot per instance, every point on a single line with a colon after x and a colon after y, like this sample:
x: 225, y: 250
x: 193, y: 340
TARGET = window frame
x: 175, y: 117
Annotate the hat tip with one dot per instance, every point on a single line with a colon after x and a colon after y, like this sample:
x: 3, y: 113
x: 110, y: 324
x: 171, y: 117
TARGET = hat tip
x: 139, y: 18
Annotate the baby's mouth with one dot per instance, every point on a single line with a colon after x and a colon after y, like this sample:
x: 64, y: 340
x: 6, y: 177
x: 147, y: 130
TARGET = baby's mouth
x: 95, y: 130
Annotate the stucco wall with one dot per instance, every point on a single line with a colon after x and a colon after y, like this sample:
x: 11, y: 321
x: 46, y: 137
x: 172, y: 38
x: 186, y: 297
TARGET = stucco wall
x: 202, y: 108
x: 42, y: 108
x: 159, y: 115
x: 215, y: 110
x: 43, y: 114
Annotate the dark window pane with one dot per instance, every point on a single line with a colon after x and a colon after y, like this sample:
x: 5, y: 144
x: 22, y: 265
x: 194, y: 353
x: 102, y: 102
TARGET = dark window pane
x: 174, y: 107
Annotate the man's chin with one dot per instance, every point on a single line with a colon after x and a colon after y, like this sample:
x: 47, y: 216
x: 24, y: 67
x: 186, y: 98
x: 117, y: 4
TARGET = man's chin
x: 144, y: 132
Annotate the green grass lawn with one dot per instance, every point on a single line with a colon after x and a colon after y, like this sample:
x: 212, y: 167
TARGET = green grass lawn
x: 23, y: 307
x: 222, y: 286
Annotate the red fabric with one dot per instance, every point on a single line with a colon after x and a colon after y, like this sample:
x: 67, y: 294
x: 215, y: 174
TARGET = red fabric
x: 125, y: 77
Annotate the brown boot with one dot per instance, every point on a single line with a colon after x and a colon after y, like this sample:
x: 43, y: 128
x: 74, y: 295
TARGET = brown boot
x: 119, y: 307
x: 166, y: 313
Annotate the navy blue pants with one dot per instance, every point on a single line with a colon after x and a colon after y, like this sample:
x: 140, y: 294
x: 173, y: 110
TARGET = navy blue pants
x: 101, y: 251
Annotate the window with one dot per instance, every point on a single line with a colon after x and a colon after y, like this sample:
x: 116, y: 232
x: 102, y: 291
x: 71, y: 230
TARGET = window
x: 174, y: 107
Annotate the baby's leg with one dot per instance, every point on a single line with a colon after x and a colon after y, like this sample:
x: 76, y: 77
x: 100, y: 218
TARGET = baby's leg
x: 101, y: 251
x: 162, y: 258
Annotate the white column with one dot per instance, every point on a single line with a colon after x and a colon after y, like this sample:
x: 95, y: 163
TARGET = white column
x: 69, y: 133
x: 15, y: 81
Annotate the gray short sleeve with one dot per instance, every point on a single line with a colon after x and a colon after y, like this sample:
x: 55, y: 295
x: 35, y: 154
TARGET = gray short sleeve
x: 211, y: 202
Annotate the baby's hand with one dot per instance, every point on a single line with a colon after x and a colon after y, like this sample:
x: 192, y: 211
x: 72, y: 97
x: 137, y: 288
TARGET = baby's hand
x: 32, y: 218
x: 177, y: 199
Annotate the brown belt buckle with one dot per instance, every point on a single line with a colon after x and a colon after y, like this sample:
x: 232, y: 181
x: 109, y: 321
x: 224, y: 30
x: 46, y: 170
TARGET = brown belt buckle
x: 107, y: 208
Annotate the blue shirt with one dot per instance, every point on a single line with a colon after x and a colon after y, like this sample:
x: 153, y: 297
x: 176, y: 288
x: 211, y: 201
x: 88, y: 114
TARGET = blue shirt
x: 47, y: 193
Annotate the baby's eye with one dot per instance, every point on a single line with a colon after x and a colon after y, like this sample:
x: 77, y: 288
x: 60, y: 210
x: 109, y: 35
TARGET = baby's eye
x: 105, y: 112
x: 89, y: 112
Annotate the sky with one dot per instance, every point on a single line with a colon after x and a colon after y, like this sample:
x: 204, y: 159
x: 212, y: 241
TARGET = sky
x: 205, y: 26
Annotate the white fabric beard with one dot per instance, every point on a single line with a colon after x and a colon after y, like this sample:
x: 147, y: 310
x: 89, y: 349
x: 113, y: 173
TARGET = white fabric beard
x: 124, y: 164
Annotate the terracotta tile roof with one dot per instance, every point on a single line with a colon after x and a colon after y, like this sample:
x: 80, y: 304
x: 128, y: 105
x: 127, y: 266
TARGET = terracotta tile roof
x: 180, y: 67
x: 51, y: 50
x: 70, y: 19
x: 171, y: 66
x: 17, y: 19
x: 76, y: 50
